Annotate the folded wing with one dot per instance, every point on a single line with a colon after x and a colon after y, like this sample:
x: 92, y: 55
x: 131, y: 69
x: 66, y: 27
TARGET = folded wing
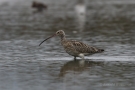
x: 84, y: 48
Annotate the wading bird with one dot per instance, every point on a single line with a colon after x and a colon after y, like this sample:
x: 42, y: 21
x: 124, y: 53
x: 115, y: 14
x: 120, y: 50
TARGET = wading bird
x: 39, y: 6
x: 75, y: 48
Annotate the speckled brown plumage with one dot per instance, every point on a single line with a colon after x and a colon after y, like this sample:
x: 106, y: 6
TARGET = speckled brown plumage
x: 75, y: 48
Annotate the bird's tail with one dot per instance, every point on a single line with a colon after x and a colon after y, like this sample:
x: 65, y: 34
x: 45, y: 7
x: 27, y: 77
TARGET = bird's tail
x: 100, y: 50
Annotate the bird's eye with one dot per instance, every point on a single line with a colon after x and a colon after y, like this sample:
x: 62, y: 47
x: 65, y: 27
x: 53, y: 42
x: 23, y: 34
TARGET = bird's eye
x: 58, y: 32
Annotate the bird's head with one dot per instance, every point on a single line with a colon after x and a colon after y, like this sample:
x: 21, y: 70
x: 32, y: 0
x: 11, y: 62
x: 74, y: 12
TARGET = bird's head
x: 59, y: 33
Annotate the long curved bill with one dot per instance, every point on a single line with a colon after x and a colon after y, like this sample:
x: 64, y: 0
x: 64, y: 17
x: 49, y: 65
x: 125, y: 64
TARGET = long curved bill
x: 47, y: 39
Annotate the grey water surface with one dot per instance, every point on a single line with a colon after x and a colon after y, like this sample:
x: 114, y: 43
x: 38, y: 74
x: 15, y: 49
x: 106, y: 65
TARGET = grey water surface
x: 107, y: 24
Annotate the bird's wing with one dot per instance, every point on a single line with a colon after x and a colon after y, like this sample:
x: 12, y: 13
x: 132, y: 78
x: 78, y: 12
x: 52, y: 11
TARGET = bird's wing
x: 84, y: 48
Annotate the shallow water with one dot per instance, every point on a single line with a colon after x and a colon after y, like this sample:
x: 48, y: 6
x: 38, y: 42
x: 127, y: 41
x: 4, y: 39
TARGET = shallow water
x: 106, y: 24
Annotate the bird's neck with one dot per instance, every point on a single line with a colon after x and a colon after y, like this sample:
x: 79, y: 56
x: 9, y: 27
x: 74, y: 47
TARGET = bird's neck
x: 63, y: 38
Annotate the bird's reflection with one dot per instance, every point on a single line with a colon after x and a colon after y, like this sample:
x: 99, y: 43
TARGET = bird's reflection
x: 77, y: 66
x: 80, y: 9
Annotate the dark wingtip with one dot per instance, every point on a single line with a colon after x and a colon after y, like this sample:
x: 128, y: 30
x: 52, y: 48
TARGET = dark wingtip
x: 101, y: 50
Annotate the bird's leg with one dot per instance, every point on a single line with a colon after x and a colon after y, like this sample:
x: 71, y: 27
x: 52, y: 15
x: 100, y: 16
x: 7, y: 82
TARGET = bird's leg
x: 74, y: 58
x: 81, y: 56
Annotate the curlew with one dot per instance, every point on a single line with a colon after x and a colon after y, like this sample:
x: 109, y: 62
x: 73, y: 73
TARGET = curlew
x: 73, y: 47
